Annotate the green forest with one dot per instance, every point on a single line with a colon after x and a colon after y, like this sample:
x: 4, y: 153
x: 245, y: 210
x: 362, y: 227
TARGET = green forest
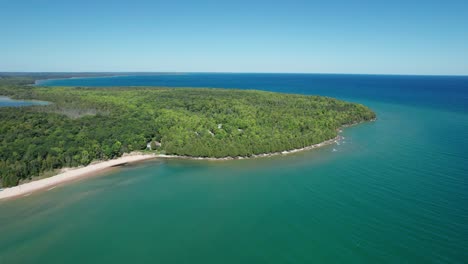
x: 84, y: 124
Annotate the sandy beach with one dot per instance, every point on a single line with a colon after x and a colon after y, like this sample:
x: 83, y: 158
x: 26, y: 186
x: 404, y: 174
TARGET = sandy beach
x: 263, y: 155
x: 70, y: 175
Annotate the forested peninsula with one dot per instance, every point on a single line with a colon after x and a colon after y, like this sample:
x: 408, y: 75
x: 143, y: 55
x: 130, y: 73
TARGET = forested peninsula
x: 83, y: 124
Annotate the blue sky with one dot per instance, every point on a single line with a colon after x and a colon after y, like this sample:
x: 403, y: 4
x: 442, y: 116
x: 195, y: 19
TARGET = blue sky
x: 391, y: 37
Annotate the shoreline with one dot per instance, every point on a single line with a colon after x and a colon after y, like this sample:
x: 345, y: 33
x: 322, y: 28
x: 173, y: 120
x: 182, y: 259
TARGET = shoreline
x: 33, y: 101
x: 70, y: 174
x: 263, y: 155
x: 37, y: 82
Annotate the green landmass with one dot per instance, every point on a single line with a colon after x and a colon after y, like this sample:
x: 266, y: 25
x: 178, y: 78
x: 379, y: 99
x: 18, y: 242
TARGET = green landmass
x: 85, y: 124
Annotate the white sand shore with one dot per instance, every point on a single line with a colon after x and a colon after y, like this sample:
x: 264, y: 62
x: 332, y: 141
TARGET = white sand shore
x: 285, y: 152
x: 69, y: 175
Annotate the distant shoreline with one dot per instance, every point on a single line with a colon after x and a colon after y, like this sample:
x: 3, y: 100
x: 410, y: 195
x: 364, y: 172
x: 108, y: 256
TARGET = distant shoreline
x: 37, y: 82
x: 34, y: 101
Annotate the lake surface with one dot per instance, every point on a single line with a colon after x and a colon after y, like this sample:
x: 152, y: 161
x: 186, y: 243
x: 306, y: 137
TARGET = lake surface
x: 393, y: 191
x: 8, y: 102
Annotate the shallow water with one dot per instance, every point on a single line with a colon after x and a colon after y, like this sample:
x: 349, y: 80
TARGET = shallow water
x: 8, y: 102
x: 394, y: 191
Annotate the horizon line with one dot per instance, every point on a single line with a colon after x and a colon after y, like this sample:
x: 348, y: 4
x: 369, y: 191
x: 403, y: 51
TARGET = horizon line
x: 233, y: 72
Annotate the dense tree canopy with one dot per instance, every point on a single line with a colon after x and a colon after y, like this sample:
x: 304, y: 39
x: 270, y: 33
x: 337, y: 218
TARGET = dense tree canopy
x: 85, y: 124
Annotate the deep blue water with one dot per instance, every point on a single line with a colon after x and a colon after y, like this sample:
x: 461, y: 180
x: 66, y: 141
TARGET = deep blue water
x: 447, y: 92
x: 392, y: 191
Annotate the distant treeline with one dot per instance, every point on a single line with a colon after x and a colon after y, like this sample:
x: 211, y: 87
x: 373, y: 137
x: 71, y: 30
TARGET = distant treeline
x: 86, y: 124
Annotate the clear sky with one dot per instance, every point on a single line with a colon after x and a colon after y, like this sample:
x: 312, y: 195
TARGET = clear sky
x: 392, y: 37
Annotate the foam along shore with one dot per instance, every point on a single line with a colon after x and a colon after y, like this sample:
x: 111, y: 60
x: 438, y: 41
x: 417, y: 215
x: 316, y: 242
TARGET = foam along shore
x: 69, y: 175
x: 285, y: 152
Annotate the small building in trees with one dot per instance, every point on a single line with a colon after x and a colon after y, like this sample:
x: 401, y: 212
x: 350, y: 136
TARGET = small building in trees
x: 153, y: 145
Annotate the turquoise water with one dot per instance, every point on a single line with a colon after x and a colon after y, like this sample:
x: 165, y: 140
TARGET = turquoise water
x: 8, y: 102
x: 393, y: 191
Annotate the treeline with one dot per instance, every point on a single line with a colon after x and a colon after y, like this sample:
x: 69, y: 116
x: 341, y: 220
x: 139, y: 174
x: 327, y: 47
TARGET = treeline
x: 85, y: 124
